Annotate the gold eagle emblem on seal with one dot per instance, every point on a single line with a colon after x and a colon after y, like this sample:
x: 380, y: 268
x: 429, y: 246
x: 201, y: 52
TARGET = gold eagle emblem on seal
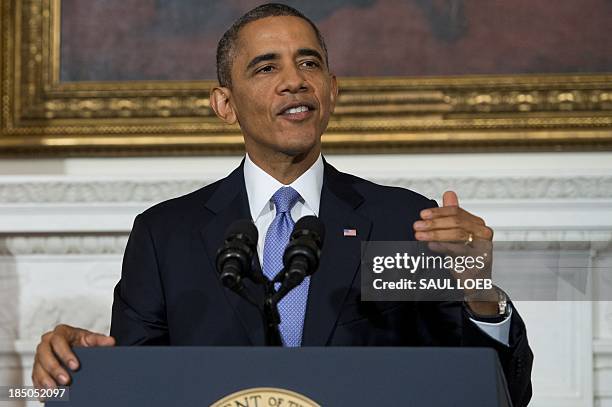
x: 265, y: 397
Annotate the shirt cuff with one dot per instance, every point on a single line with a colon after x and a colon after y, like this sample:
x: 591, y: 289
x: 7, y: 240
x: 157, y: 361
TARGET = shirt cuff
x: 500, y: 331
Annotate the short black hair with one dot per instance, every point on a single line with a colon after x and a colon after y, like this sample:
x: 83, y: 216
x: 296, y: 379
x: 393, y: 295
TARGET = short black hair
x: 227, y: 43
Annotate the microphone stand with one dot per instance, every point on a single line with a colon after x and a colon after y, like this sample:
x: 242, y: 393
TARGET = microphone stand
x: 270, y: 308
x: 271, y: 317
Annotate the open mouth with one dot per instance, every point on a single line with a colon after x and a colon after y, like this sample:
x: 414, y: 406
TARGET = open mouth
x: 295, y: 110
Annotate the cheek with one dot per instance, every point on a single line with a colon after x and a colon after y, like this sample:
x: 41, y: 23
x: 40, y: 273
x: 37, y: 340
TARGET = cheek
x: 325, y: 97
x: 253, y: 98
x: 252, y: 109
x: 325, y: 108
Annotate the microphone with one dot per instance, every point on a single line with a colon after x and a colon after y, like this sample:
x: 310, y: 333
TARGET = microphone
x: 235, y: 256
x: 301, y: 258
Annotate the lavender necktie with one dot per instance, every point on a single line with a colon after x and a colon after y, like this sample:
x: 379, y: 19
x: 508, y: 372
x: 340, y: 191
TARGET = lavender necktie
x: 292, y: 307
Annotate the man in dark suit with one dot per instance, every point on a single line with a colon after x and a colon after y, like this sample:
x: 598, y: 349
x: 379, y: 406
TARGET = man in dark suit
x: 275, y: 82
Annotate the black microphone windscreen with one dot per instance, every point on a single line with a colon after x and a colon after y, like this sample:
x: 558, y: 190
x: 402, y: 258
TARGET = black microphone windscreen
x: 312, y: 224
x: 244, y: 227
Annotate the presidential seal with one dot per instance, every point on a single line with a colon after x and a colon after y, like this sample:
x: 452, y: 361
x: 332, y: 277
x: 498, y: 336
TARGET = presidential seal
x: 265, y: 397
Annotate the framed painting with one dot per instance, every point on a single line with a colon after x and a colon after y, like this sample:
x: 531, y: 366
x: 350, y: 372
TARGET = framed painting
x: 132, y: 77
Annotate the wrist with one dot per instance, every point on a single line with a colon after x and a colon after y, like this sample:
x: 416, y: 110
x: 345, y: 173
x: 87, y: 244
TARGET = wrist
x: 484, y: 295
x: 487, y: 305
x: 483, y: 309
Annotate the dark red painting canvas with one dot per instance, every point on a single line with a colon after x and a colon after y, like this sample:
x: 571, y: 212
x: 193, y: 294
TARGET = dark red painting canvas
x: 109, y: 40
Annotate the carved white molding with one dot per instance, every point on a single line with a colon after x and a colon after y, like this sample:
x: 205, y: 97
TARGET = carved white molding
x: 110, y: 191
x: 48, y: 192
x: 554, y: 236
x: 592, y: 187
x: 63, y: 245
x: 69, y: 204
x: 97, y: 244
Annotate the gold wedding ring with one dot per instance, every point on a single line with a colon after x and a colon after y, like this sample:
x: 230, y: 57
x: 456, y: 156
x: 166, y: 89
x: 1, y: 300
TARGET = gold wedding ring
x: 470, y: 239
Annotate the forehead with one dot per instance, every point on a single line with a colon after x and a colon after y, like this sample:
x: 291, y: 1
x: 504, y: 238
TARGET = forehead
x: 275, y: 34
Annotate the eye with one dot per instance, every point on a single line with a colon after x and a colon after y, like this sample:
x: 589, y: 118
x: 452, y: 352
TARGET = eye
x: 265, y: 69
x: 310, y: 64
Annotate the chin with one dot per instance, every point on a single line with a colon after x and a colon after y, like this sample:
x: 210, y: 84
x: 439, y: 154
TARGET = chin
x: 297, y: 145
x: 295, y: 151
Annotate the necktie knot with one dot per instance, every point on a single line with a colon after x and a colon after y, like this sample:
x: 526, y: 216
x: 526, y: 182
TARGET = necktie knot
x: 284, y: 199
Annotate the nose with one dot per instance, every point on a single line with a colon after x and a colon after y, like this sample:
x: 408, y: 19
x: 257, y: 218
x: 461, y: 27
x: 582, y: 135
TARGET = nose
x: 292, y: 81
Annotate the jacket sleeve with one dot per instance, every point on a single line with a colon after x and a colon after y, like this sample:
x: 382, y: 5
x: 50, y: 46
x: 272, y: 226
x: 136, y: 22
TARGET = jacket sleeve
x: 139, y: 310
x: 516, y: 359
x: 448, y: 324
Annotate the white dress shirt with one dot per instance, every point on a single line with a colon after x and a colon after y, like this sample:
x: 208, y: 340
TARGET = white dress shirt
x: 261, y: 186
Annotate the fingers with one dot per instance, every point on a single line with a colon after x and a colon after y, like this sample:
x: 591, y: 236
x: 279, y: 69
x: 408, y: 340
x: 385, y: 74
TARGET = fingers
x: 93, y: 339
x: 40, y: 378
x: 451, y: 229
x: 445, y: 211
x: 55, y: 349
x: 64, y: 338
x: 443, y: 235
x: 447, y: 222
x: 450, y: 223
x: 450, y: 199
x: 47, y: 368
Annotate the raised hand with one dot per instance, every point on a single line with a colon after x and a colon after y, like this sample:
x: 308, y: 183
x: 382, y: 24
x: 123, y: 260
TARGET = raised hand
x: 452, y: 230
x: 451, y: 223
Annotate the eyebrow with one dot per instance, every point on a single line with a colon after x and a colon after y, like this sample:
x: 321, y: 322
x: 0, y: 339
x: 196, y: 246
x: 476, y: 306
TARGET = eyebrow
x: 272, y: 56
x: 309, y: 52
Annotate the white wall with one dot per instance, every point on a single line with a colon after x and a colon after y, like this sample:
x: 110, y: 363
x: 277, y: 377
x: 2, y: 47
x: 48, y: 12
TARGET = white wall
x: 64, y: 224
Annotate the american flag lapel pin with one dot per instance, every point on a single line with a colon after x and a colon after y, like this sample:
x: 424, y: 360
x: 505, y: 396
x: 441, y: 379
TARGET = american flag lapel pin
x: 350, y: 232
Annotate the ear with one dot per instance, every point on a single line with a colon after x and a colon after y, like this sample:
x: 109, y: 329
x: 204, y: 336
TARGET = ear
x: 334, y: 91
x: 220, y: 102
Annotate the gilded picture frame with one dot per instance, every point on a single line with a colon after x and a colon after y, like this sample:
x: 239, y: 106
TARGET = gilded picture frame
x: 42, y: 116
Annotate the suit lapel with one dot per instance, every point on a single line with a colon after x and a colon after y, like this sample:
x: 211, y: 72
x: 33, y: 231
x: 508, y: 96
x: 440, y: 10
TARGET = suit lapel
x: 340, y: 257
x: 228, y: 204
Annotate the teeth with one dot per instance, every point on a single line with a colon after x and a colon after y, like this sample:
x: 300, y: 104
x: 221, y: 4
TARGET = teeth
x: 298, y: 109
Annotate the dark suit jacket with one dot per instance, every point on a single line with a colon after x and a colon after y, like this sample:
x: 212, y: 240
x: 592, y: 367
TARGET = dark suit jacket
x: 169, y: 292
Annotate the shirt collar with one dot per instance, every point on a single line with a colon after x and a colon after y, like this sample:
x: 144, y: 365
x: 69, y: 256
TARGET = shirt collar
x: 261, y: 186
